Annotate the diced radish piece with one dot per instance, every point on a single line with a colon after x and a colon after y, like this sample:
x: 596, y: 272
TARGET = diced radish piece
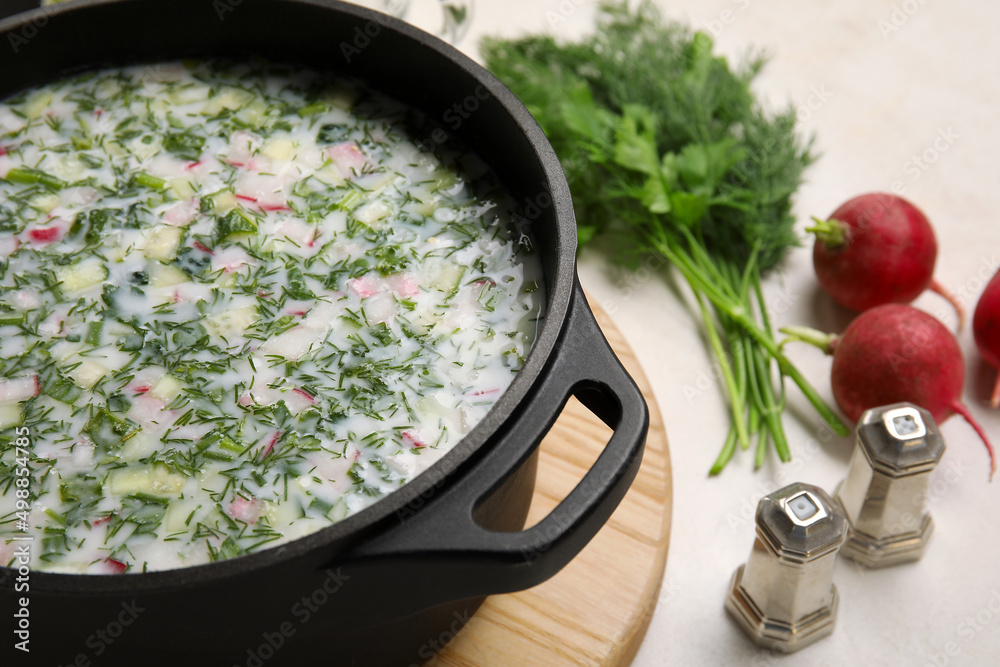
x: 243, y: 146
x: 270, y: 445
x: 410, y: 439
x: 380, y: 308
x: 46, y: 234
x: 298, y: 232
x: 484, y: 392
x: 366, y: 286
x: 247, y: 510
x: 9, y: 244
x: 192, y: 165
x: 51, y: 326
x: 25, y: 299
x: 298, y: 400
x: 149, y: 412
x: 182, y: 214
x: 230, y: 259
x: 100, y: 522
x: 266, y: 191
x: 403, y: 284
x: 275, y: 207
x: 304, y: 393
x: 204, y: 248
x: 22, y: 388
x: 348, y: 158
x: 3, y: 151
x: 299, y: 340
x: 115, y: 566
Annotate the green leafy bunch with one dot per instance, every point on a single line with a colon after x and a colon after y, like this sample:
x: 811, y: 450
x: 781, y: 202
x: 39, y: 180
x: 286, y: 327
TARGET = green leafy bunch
x: 668, y: 153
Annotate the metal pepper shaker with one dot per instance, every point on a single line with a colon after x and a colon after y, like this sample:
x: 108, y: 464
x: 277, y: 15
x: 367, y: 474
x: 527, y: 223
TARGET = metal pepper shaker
x: 784, y: 597
x: 886, y: 486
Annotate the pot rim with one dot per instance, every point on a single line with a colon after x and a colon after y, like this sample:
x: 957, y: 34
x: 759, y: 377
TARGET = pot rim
x: 559, y: 293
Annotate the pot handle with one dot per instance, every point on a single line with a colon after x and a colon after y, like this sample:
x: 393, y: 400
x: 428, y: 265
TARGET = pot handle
x: 446, y: 554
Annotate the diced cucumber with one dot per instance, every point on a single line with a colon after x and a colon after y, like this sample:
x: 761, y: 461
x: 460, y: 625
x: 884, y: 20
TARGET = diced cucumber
x: 279, y: 149
x: 161, y: 242
x: 372, y: 212
x: 88, y: 372
x: 223, y: 202
x: 228, y: 98
x: 82, y: 275
x: 36, y: 104
x: 155, y: 480
x: 10, y: 416
x: 443, y: 275
x: 253, y: 114
x: 167, y: 388
x: 166, y: 275
x: 232, y: 322
x: 182, y: 188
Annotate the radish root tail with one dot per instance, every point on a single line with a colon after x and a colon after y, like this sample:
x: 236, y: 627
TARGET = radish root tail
x: 961, y: 409
x: 955, y: 302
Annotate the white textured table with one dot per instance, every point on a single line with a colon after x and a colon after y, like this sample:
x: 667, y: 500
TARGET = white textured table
x: 901, y: 94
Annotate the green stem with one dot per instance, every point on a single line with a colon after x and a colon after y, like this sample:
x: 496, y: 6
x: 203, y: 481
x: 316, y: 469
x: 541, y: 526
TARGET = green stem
x: 814, y: 337
x: 764, y: 365
x: 786, y: 367
x: 833, y: 233
x: 741, y: 360
x: 728, y: 449
x: 758, y: 459
x: 769, y: 407
x: 736, y: 401
x: 31, y: 176
x: 740, y: 315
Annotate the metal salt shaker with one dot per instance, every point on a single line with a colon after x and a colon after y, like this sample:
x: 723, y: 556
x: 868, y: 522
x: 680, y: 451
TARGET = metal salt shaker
x: 784, y: 597
x: 886, y: 486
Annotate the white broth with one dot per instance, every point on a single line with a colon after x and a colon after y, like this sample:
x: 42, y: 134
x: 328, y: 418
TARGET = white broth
x: 238, y: 303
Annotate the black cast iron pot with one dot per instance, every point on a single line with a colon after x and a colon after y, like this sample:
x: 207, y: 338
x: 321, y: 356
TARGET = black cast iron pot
x: 391, y: 584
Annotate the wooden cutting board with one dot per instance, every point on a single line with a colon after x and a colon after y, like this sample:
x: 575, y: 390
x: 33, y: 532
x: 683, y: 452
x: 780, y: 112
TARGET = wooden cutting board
x: 597, y: 609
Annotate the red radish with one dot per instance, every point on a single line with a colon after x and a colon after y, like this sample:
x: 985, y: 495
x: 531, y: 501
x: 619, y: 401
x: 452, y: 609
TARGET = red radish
x: 14, y: 390
x: 45, y: 234
x: 270, y: 444
x: 248, y: 510
x: 986, y: 329
x: 895, y: 353
x: 411, y: 440
x: 115, y: 566
x: 877, y: 248
x: 204, y: 248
